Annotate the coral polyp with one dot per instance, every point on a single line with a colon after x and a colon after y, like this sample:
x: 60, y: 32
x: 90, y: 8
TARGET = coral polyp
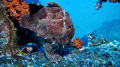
x: 77, y: 43
x: 16, y: 8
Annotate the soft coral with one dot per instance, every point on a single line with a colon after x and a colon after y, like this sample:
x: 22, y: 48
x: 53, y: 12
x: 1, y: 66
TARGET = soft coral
x: 77, y: 43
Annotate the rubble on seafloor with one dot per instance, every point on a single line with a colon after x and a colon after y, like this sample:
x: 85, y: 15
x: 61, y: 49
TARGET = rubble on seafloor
x: 103, y: 55
x: 96, y: 41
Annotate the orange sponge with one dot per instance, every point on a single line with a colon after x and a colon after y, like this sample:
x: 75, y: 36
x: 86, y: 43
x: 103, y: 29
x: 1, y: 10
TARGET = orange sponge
x: 16, y: 8
x: 113, y: 1
x: 77, y: 43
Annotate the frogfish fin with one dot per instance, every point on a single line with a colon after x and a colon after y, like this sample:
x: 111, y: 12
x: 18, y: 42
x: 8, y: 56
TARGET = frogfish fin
x: 50, y: 54
x: 24, y: 20
x: 34, y: 8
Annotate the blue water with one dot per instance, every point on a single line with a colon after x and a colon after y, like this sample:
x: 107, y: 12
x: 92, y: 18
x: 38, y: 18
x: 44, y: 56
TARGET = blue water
x: 105, y: 21
x: 83, y: 14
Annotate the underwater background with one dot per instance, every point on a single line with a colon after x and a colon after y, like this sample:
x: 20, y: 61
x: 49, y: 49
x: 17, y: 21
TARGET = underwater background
x: 92, y: 38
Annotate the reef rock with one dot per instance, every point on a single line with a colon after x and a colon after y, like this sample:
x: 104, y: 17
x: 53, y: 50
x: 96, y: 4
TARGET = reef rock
x: 106, y: 55
x: 6, y: 33
x: 54, y: 27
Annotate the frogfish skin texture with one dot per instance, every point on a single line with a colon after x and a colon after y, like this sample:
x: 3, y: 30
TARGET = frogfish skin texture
x: 53, y: 25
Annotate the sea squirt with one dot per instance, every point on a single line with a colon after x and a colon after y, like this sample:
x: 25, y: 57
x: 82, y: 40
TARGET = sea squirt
x: 53, y: 26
